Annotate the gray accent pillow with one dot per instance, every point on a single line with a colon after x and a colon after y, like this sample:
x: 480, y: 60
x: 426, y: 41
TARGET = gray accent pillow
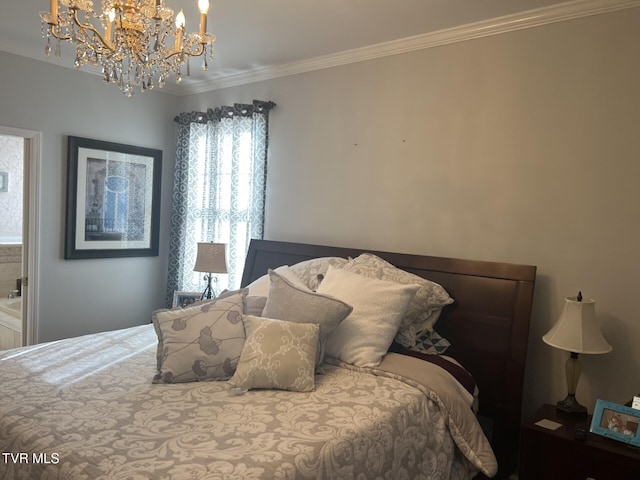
x: 260, y: 286
x: 255, y: 305
x: 202, y: 342
x: 277, y: 354
x: 288, y: 302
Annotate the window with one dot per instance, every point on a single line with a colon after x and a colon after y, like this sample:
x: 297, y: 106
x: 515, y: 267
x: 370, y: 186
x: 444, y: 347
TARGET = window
x: 219, y: 190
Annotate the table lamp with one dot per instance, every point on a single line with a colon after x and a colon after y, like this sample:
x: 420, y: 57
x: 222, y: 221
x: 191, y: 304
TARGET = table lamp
x: 211, y: 258
x: 576, y: 331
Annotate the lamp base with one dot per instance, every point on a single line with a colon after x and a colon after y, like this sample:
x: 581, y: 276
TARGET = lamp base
x: 207, y: 294
x: 208, y: 291
x: 571, y: 406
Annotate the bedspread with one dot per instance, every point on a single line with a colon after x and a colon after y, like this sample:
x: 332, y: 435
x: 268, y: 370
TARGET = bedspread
x: 85, y: 408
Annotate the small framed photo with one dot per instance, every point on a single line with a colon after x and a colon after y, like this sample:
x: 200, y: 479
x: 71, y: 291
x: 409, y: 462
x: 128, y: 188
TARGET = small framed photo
x: 185, y: 299
x: 616, y: 421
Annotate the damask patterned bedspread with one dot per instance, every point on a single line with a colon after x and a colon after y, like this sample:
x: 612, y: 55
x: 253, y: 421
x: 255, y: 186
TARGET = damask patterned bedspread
x: 85, y: 408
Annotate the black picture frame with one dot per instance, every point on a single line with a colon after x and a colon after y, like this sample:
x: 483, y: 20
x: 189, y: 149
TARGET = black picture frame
x: 113, y: 200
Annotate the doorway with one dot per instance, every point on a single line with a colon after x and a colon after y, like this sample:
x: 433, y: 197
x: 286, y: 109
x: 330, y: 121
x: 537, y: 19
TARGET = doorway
x: 19, y: 191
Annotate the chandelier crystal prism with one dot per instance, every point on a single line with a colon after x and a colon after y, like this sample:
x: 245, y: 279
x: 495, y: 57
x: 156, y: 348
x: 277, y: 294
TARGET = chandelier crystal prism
x: 137, y: 43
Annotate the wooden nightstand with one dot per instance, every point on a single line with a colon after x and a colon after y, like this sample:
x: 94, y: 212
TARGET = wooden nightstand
x: 555, y: 454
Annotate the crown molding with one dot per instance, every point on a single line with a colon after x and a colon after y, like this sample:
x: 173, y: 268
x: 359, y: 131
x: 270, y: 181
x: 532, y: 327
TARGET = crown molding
x: 496, y: 26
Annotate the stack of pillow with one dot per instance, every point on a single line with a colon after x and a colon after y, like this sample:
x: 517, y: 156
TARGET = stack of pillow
x: 277, y: 331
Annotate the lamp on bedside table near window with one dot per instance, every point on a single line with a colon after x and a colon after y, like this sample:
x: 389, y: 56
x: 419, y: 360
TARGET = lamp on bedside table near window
x: 211, y: 258
x: 576, y: 331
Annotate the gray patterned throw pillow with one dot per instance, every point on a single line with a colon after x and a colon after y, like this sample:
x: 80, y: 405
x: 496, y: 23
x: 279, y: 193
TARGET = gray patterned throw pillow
x: 312, y: 271
x: 425, y: 307
x: 198, y: 343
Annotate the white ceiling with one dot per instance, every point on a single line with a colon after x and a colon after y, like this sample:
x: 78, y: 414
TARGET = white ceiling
x: 262, y: 38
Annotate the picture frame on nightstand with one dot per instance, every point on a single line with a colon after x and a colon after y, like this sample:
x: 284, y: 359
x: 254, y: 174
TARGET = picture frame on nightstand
x: 616, y: 421
x: 185, y: 299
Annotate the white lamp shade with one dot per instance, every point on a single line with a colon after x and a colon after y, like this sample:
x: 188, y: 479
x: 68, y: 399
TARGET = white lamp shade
x: 211, y: 258
x: 577, y: 329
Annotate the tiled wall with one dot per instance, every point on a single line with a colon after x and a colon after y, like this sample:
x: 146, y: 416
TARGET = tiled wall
x: 10, y: 270
x: 9, y: 338
x: 10, y: 267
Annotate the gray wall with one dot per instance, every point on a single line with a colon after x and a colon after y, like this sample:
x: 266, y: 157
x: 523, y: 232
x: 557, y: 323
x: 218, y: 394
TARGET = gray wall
x: 521, y: 147
x: 84, y: 296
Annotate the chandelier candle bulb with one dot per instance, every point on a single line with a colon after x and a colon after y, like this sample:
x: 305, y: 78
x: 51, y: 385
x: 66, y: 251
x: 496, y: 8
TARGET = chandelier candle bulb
x: 54, y: 9
x: 203, y: 5
x: 180, y: 21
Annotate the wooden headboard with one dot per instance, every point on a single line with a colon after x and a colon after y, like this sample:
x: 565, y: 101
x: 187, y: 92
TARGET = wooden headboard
x: 487, y: 325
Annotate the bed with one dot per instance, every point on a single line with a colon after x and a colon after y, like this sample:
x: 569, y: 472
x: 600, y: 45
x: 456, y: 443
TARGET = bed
x: 87, y: 407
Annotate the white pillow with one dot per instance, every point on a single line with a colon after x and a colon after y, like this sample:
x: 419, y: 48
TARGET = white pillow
x: 260, y: 286
x: 364, y: 337
x: 423, y: 310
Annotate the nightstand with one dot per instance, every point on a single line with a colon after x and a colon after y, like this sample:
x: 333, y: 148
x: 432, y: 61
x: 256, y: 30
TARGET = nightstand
x: 555, y: 454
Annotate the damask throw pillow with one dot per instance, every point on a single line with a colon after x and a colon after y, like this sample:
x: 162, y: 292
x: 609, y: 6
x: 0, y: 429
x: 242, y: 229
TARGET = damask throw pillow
x: 312, y: 271
x: 277, y: 354
x: 202, y: 342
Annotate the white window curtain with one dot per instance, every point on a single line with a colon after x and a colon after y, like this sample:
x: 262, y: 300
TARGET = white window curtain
x: 219, y: 190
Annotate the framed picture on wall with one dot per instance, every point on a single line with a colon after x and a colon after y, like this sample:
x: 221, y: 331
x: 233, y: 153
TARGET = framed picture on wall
x: 113, y: 199
x: 616, y: 421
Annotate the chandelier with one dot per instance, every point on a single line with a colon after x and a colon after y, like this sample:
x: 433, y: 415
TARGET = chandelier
x: 137, y: 43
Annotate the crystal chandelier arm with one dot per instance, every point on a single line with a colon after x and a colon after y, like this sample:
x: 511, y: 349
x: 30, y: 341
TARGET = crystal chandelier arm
x: 189, y: 51
x: 52, y: 19
x: 91, y: 28
x: 56, y: 29
x: 57, y: 33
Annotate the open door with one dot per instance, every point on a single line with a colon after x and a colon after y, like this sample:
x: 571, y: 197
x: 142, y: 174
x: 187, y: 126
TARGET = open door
x: 27, y: 274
